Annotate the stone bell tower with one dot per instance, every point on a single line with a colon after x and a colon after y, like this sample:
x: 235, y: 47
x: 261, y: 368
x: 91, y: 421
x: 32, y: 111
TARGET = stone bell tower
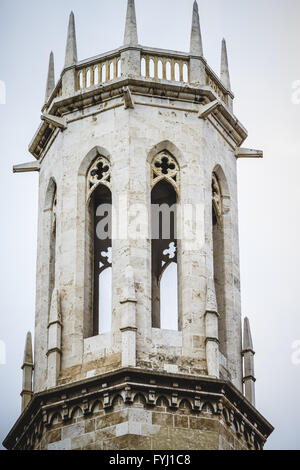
x: 138, y: 338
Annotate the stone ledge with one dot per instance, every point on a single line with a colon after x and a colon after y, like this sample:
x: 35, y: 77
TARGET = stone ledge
x: 97, y: 94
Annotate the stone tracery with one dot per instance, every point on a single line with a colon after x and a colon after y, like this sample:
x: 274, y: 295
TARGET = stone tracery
x: 165, y: 167
x: 99, y: 247
x: 164, y: 196
x: 99, y: 173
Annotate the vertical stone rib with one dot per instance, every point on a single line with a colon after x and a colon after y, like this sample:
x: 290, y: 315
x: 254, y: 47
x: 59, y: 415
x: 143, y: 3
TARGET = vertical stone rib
x: 54, y: 340
x: 248, y: 355
x: 128, y: 326
x: 211, y: 331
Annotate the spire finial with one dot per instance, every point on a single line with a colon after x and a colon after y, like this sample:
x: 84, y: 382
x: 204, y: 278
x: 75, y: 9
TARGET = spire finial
x: 27, y: 368
x: 71, y: 48
x: 247, y: 341
x: 130, y: 36
x: 196, y: 39
x: 51, y: 77
x: 28, y: 356
x: 225, y: 77
x: 248, y: 355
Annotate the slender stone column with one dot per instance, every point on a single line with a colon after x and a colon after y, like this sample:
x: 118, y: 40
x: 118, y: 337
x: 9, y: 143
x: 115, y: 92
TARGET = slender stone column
x: 50, y: 78
x: 54, y: 340
x: 69, y: 73
x: 131, y: 57
x: 211, y: 331
x: 225, y: 76
x: 248, y: 355
x: 27, y: 368
x: 197, y: 66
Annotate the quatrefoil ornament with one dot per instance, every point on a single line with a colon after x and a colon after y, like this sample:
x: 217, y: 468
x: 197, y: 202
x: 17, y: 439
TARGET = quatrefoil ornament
x: 171, y: 251
x: 165, y: 167
x: 105, y: 259
x: 99, y: 173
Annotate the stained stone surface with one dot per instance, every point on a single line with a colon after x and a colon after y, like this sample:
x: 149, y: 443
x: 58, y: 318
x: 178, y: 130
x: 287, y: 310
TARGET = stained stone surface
x: 130, y: 138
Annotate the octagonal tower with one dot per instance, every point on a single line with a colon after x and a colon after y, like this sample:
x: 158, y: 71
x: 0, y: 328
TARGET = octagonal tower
x: 138, y: 337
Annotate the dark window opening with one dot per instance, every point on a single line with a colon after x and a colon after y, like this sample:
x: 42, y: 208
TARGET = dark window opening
x: 101, y: 253
x: 164, y: 257
x: 219, y: 274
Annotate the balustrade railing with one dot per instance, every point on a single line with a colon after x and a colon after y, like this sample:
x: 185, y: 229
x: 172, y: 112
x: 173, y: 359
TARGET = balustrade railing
x: 165, y: 67
x: 215, y: 85
x: 155, y: 64
x: 103, y: 71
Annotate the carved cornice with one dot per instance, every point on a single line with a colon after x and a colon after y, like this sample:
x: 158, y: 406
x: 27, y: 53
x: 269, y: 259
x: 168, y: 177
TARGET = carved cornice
x: 113, y: 91
x: 221, y: 397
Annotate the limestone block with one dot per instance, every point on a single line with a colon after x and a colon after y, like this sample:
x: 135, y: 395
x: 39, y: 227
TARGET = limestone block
x: 212, y: 357
x: 73, y: 430
x: 211, y: 325
x: 197, y: 71
x: 60, y: 445
x: 131, y: 63
x: 128, y: 348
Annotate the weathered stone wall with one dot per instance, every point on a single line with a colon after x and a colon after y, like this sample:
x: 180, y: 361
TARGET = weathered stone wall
x: 138, y: 387
x: 130, y: 138
x: 136, y: 428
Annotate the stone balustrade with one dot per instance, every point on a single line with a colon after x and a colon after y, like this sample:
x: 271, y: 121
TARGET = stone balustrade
x: 154, y: 64
x: 102, y: 71
x: 215, y: 84
x: 165, y: 67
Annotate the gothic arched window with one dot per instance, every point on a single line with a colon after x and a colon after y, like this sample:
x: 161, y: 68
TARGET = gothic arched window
x: 53, y: 243
x: 164, y: 195
x: 218, y: 257
x: 99, y: 245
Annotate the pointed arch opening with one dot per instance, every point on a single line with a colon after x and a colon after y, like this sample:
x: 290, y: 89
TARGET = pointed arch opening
x: 164, y: 266
x: 53, y: 229
x: 99, y: 247
x: 219, y: 257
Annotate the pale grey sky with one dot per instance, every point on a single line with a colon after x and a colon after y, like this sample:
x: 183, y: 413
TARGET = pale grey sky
x: 263, y: 41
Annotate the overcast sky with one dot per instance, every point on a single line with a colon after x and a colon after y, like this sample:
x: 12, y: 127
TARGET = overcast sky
x: 263, y: 40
